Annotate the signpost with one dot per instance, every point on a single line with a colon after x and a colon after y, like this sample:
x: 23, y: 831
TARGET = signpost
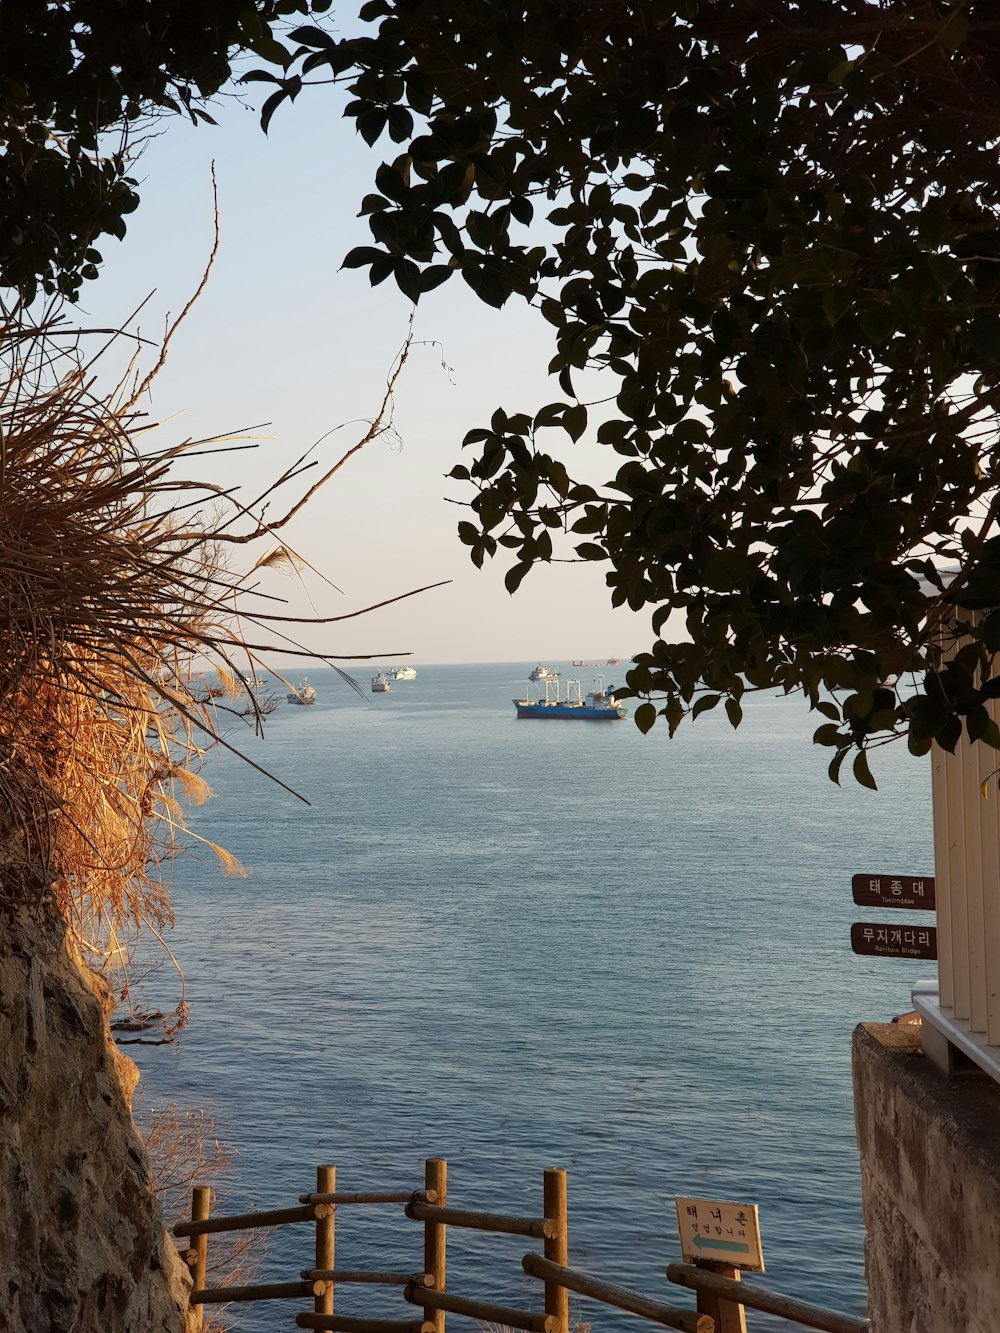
x: 879, y: 939
x: 727, y: 1232
x: 911, y: 891
x: 723, y: 1237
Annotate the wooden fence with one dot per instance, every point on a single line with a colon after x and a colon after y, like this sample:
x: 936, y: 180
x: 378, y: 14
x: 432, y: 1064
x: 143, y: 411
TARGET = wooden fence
x: 721, y: 1298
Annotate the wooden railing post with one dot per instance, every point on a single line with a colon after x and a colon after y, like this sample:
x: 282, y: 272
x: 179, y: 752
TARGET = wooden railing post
x: 197, y: 1255
x: 556, y: 1245
x: 703, y: 1277
x: 326, y: 1183
x: 728, y: 1315
x: 436, y: 1179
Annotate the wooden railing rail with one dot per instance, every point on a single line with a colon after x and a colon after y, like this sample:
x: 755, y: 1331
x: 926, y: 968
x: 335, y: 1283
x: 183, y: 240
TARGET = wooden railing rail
x: 485, y: 1311
x: 355, y: 1275
x: 344, y: 1324
x: 768, y: 1302
x: 258, y: 1291
x: 274, y: 1217
x: 457, y: 1217
x: 371, y: 1196
x: 622, y: 1298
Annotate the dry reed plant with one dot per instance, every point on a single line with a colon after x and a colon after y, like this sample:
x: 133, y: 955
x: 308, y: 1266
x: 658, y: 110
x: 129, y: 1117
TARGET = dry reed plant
x: 115, y: 577
x: 184, y: 1151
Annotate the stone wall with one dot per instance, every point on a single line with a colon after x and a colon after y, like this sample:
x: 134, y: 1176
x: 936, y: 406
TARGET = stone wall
x: 82, y: 1244
x: 930, y: 1179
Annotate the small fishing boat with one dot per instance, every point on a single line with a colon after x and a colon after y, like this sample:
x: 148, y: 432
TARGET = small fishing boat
x: 305, y: 695
x: 380, y: 683
x: 404, y: 673
x: 543, y: 673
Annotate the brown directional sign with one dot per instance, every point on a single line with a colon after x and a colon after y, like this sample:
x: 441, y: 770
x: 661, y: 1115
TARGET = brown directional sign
x: 880, y: 939
x: 911, y: 891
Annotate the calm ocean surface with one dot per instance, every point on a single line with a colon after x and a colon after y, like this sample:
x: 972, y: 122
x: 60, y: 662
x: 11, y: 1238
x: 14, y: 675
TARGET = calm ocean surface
x: 517, y: 946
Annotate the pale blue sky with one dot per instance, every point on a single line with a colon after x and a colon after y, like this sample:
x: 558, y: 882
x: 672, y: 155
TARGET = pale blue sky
x: 282, y: 335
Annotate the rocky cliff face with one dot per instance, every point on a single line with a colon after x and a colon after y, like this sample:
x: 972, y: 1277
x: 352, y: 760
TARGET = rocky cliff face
x: 82, y: 1244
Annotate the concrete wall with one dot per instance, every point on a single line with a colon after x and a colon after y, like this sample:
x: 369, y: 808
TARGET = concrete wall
x: 930, y: 1179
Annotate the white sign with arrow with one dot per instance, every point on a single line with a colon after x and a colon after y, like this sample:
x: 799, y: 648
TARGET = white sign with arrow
x: 726, y: 1233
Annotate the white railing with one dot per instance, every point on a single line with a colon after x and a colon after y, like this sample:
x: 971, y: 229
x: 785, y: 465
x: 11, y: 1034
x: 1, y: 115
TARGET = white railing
x: 962, y: 1010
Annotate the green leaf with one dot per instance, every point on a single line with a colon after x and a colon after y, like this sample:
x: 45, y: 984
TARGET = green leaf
x: 990, y: 631
x: 434, y: 276
x: 316, y: 38
x: 371, y: 123
x: 575, y: 421
x: 827, y: 734
x: 361, y: 255
x: 949, y: 734
x: 734, y: 711
x: 645, y: 716
x: 977, y: 721
x: 946, y: 270
x: 862, y: 772
x: 954, y: 29
x: 268, y: 48
x: 878, y: 323
x: 408, y: 279
x: 490, y: 284
x: 984, y: 339
x: 514, y: 576
x: 836, y: 303
x: 706, y: 702
x: 270, y: 107
x: 918, y: 746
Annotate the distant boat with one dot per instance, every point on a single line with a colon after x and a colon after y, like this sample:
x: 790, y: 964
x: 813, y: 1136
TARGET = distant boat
x: 543, y: 673
x: 380, y: 683
x: 404, y: 673
x: 305, y: 694
x: 600, y: 706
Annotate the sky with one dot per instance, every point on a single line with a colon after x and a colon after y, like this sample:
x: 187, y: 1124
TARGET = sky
x: 282, y: 335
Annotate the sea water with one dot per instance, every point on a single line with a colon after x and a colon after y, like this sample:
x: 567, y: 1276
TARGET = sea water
x: 520, y: 944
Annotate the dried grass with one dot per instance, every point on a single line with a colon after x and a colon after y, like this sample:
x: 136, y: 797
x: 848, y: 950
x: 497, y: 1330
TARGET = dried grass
x: 115, y: 577
x: 184, y: 1150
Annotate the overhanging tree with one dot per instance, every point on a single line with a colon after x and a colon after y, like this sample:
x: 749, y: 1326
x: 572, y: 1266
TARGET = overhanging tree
x: 79, y: 82
x: 773, y: 229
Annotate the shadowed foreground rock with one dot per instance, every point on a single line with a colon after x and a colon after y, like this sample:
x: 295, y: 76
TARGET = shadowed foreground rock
x: 82, y: 1243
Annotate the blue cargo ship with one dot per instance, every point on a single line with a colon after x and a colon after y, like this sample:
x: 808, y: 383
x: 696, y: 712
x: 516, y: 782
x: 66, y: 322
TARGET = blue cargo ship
x: 599, y: 706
